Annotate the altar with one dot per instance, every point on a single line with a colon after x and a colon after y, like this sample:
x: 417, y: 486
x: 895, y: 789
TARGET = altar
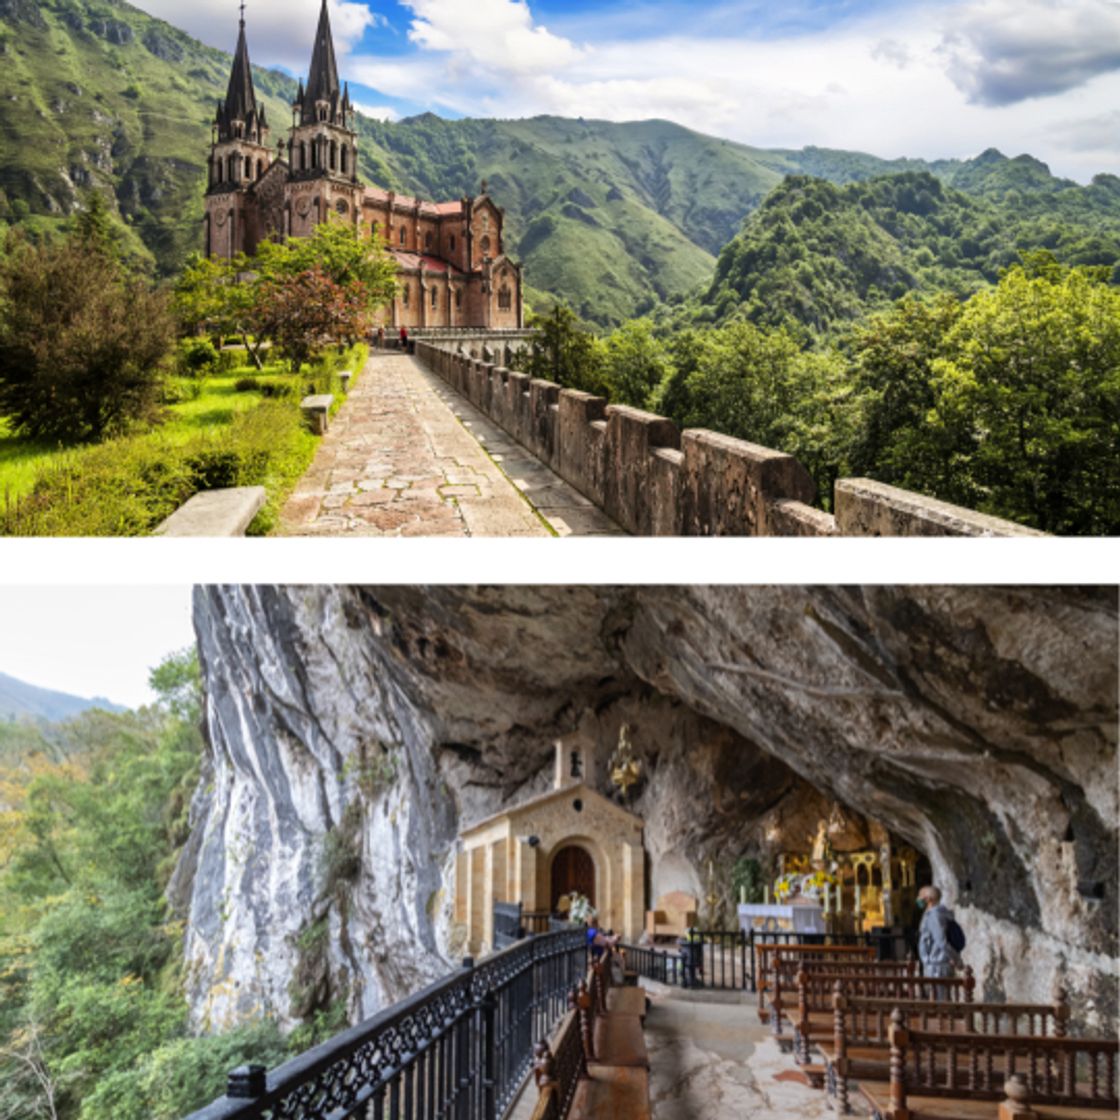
x: 802, y: 916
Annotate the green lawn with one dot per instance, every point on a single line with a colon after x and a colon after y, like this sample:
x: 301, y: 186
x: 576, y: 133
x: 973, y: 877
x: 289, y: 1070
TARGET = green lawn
x: 128, y: 485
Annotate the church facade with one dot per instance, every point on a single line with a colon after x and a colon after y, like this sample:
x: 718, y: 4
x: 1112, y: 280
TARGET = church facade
x: 452, y: 268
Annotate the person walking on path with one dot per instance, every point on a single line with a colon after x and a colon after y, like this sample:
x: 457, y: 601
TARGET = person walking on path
x: 940, y: 939
x: 404, y: 338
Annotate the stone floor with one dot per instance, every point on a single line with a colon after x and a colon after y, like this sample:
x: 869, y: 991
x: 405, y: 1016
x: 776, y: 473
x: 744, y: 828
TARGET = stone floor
x: 406, y: 456
x: 711, y: 1059
x: 715, y: 1060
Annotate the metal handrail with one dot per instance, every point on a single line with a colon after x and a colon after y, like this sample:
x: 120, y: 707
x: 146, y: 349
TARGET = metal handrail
x: 460, y: 1047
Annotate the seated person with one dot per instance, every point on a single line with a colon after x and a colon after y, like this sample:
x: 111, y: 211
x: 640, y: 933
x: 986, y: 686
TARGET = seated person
x: 597, y: 940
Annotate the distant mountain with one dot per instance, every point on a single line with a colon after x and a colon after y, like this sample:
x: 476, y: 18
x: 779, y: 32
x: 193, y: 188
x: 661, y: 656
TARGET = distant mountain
x: 22, y: 701
x: 611, y: 218
x: 816, y: 256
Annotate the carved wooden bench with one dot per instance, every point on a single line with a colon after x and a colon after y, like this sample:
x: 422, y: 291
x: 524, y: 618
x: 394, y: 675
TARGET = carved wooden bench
x: 582, y: 1073
x: 816, y: 989
x: 611, y: 1037
x: 316, y: 412
x: 859, y: 1049
x: 951, y: 1076
x: 770, y: 957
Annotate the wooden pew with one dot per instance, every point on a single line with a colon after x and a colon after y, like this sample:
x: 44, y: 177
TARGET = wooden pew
x: 770, y: 955
x: 950, y: 1076
x: 611, y: 1019
x: 592, y: 1067
x: 816, y: 988
x: 859, y: 1049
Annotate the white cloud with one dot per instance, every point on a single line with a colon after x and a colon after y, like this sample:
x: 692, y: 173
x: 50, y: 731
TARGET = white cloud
x: 377, y: 112
x: 281, y: 32
x: 498, y: 33
x: 1004, y: 51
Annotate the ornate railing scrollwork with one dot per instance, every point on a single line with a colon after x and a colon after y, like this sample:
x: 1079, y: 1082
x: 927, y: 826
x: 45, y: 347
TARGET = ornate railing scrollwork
x: 460, y: 1048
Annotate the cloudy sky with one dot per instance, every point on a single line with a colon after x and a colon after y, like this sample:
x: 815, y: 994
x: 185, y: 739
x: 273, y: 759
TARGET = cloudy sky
x: 893, y: 77
x: 92, y: 641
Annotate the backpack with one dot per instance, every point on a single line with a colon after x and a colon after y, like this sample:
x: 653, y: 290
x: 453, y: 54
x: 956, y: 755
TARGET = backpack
x: 955, y: 935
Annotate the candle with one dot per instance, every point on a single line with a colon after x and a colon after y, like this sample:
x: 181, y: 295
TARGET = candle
x: 742, y: 896
x: 766, y: 894
x: 839, y: 898
x: 859, y: 903
x: 827, y: 899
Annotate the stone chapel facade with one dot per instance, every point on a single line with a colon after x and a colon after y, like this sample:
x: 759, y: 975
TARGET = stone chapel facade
x: 452, y: 267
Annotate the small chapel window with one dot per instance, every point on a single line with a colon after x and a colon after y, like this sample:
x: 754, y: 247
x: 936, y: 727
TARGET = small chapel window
x: 345, y: 159
x: 459, y: 298
x: 404, y: 295
x: 260, y: 168
x: 404, y: 236
x: 435, y: 297
x: 486, y: 246
x: 505, y: 300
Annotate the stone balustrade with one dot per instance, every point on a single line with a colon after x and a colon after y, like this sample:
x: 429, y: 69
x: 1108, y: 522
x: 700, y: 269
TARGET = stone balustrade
x: 655, y: 480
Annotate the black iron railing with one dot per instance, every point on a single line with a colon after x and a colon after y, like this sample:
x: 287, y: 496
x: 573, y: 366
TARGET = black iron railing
x: 726, y: 960
x: 458, y: 1050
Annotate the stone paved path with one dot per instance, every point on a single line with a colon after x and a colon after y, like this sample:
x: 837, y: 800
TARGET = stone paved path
x: 406, y: 456
x: 713, y: 1061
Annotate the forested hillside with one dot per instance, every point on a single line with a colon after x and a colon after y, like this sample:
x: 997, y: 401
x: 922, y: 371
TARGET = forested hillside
x: 816, y: 256
x: 610, y: 218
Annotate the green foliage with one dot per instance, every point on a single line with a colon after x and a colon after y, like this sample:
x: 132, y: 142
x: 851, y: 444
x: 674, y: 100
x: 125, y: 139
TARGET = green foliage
x: 81, y: 343
x: 747, y: 878
x: 635, y: 363
x: 816, y: 257
x: 565, y: 353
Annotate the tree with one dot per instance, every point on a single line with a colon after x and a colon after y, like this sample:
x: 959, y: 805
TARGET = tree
x: 566, y: 354
x: 635, y: 363
x: 82, y: 345
x: 1028, y: 393
x: 306, y: 312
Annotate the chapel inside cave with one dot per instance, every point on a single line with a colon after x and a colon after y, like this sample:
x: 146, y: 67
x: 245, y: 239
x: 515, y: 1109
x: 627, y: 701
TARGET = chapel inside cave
x: 715, y: 741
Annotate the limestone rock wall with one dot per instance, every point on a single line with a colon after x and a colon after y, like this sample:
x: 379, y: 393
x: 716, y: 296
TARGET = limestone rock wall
x: 354, y: 729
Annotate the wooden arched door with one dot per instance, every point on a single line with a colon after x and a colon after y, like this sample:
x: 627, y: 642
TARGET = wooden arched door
x: 573, y: 871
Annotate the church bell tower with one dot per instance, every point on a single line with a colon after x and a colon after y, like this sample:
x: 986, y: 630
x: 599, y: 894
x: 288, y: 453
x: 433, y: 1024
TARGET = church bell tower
x: 239, y: 157
x: 323, y: 148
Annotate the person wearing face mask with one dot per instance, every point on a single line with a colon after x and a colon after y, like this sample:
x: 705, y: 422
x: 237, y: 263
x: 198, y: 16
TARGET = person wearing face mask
x: 940, y: 939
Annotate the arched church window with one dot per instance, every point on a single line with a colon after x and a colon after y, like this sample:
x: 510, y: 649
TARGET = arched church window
x: 486, y: 246
x: 404, y: 236
x: 232, y: 171
x: 260, y: 168
x: 315, y: 155
x: 334, y: 155
x: 302, y: 156
x: 435, y: 297
x: 404, y: 295
x: 459, y: 298
x: 505, y: 300
x: 248, y: 167
x: 345, y: 159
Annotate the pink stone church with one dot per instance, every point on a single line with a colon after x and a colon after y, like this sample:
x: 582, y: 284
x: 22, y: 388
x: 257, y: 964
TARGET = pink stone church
x: 452, y: 267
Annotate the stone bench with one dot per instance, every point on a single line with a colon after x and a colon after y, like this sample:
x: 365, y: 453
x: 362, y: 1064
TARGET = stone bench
x: 215, y: 513
x: 317, y: 411
x: 346, y: 376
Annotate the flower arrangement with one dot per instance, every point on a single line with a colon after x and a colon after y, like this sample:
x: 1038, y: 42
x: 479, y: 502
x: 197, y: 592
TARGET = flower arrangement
x: 811, y: 885
x: 580, y: 909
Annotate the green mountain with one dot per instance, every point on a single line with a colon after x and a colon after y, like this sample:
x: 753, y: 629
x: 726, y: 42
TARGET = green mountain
x: 611, y: 218
x: 816, y: 255
x: 22, y: 701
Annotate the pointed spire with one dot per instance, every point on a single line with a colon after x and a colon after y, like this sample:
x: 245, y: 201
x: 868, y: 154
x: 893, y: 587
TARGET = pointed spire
x: 322, y: 81
x: 241, y: 98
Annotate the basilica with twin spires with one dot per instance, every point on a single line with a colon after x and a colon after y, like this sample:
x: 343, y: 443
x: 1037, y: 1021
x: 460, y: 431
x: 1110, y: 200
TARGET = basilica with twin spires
x: 452, y: 268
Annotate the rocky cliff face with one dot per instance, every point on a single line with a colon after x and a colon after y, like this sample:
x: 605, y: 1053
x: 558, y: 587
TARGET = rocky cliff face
x: 353, y: 731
